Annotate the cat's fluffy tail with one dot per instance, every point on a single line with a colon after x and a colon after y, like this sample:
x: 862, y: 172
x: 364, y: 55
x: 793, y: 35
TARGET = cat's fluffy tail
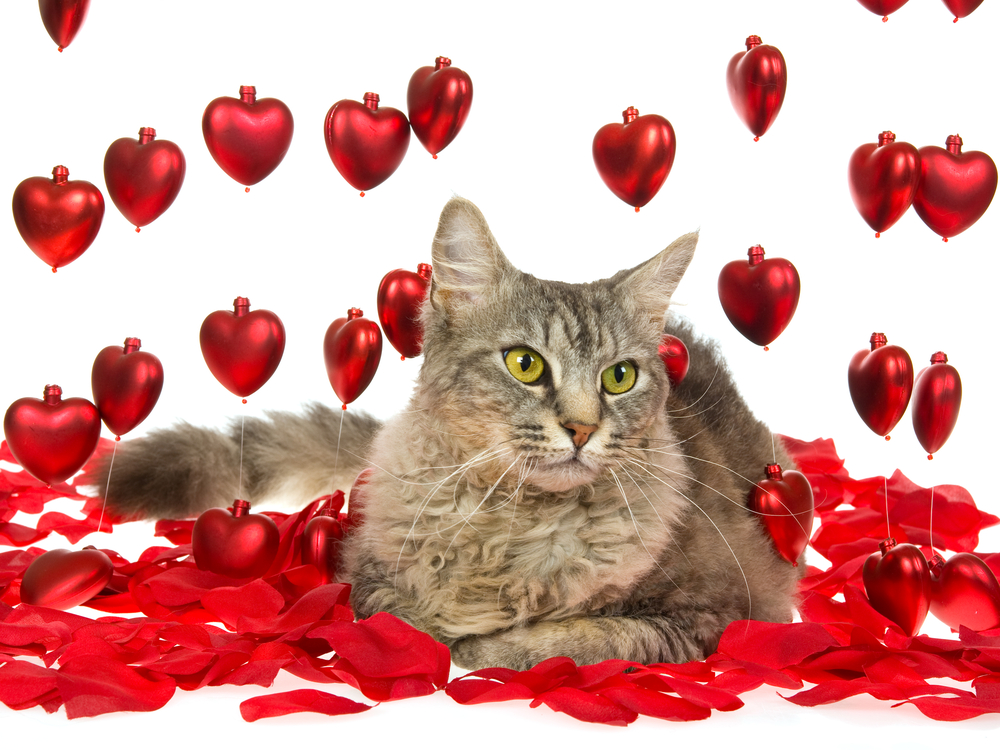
x: 179, y: 472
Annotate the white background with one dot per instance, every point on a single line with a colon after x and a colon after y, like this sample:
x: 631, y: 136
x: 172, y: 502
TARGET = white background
x: 546, y: 76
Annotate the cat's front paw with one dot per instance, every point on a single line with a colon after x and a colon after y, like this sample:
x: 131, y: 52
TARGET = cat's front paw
x: 485, y: 651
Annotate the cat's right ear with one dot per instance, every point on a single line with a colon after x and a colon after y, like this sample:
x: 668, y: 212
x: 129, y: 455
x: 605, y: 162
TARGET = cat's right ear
x: 465, y: 256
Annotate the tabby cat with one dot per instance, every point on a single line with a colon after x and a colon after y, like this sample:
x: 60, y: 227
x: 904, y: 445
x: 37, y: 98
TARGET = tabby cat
x: 547, y: 492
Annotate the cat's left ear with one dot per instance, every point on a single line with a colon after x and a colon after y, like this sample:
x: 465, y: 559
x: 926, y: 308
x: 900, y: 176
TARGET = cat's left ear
x: 652, y: 284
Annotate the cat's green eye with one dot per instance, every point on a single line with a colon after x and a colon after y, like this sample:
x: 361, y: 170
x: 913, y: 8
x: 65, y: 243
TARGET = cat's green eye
x: 619, y: 378
x: 524, y: 364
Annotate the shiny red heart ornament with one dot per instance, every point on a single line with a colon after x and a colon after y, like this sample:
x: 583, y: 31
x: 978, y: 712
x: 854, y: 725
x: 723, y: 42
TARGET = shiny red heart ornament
x: 352, y: 349
x: 321, y: 544
x: 955, y: 189
x: 63, y: 18
x: 366, y: 143
x: 880, y: 381
x: 962, y: 8
x: 58, y: 218
x: 965, y: 591
x: 675, y: 358
x: 52, y: 439
x: 242, y: 348
x: 126, y: 383
x: 400, y: 296
x: 883, y: 7
x: 60, y: 579
x: 760, y: 296
x: 634, y: 158
x: 757, y: 80
x: 238, y: 544
x: 248, y: 137
x: 784, y: 504
x: 143, y: 176
x: 898, y: 583
x: 438, y: 100
x: 937, y: 397
x: 883, y: 177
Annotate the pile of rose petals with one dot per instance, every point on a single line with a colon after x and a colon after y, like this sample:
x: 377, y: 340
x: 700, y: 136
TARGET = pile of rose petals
x: 192, y: 628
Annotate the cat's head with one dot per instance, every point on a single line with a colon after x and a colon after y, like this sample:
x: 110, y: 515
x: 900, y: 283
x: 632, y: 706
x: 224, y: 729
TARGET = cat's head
x: 561, y: 380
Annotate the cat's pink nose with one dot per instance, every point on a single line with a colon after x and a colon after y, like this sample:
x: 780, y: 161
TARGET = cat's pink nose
x: 579, y: 432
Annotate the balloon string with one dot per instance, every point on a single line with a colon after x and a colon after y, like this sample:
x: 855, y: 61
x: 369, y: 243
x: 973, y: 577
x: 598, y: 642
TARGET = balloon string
x: 774, y: 455
x: 930, y: 523
x: 336, y: 460
x: 888, y: 527
x: 108, y: 485
x: 239, y: 488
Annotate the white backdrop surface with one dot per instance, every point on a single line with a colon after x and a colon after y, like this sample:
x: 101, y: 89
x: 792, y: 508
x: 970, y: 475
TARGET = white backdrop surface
x: 546, y: 76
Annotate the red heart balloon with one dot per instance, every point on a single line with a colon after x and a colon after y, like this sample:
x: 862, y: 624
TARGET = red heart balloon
x: 883, y: 7
x: 784, y: 502
x: 675, y: 358
x: 883, y: 177
x: 63, y: 18
x: 352, y: 349
x: 438, y: 101
x: 880, y: 381
x: 964, y: 591
x: 321, y: 543
x: 58, y: 218
x: 634, y: 158
x: 60, y: 579
x: 962, y: 8
x: 126, y: 384
x: 759, y: 297
x: 143, y: 176
x: 898, y: 583
x: 52, y: 439
x: 937, y: 396
x: 757, y: 80
x: 241, y: 348
x: 400, y: 297
x: 955, y: 189
x: 237, y: 544
x: 366, y: 144
x: 247, y: 137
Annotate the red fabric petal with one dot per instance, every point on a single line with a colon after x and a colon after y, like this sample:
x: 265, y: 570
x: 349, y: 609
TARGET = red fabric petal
x: 656, y: 704
x: 24, y: 685
x: 298, y: 701
x: 586, y: 706
x: 91, y: 685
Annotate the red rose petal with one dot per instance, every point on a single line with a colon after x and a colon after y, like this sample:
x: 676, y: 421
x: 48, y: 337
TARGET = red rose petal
x: 298, y: 701
x: 586, y: 706
x: 91, y: 686
x: 24, y: 685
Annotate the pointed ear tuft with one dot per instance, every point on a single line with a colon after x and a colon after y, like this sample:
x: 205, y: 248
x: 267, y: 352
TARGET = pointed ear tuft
x: 465, y: 256
x: 652, y: 284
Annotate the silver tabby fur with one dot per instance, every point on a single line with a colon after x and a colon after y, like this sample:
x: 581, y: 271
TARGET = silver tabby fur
x: 485, y: 524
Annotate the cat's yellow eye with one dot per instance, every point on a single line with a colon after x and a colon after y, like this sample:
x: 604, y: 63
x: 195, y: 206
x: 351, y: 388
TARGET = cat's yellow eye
x: 619, y: 378
x: 524, y: 364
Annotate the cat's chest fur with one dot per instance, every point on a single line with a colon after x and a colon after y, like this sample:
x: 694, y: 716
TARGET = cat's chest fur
x: 459, y: 555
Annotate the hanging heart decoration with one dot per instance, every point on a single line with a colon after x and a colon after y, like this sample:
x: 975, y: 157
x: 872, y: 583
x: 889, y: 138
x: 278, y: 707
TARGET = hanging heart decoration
x: 784, y: 504
x: 962, y: 8
x: 352, y: 349
x: 321, y: 542
x: 760, y: 296
x: 883, y: 178
x: 57, y: 218
x: 60, y: 579
x: 438, y: 100
x: 898, y: 583
x: 126, y: 383
x: 143, y: 176
x: 964, y: 592
x: 635, y: 157
x: 880, y: 381
x: 757, y: 80
x: 955, y: 189
x: 236, y: 543
x: 242, y: 348
x: 62, y: 19
x: 248, y: 137
x: 400, y: 296
x: 937, y: 397
x: 51, y: 438
x: 675, y: 358
x: 883, y: 7
x: 366, y: 143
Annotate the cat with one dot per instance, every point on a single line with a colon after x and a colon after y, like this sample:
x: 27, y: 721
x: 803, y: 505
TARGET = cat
x: 547, y: 492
